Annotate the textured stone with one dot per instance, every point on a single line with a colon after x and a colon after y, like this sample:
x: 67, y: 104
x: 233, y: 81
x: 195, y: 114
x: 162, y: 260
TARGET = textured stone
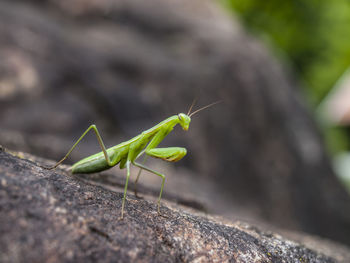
x: 53, y: 216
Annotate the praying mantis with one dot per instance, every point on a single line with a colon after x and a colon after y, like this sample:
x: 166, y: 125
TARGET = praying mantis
x: 126, y: 153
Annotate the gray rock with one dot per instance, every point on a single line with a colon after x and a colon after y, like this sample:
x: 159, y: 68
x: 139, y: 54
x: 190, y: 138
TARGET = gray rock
x: 128, y: 65
x: 53, y: 216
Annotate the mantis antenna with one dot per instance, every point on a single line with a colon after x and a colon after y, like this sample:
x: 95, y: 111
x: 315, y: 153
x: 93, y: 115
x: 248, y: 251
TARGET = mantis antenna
x: 193, y: 102
x: 196, y: 111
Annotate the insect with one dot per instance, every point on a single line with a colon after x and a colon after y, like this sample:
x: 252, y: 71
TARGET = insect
x: 126, y: 153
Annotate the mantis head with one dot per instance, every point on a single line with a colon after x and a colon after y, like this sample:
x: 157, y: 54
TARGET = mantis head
x: 184, y: 120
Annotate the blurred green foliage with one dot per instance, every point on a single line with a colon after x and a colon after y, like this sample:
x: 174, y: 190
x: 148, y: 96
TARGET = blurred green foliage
x: 314, y: 38
x: 313, y: 35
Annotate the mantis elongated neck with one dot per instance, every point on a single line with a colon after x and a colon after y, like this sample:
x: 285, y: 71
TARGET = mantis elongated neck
x: 168, y: 123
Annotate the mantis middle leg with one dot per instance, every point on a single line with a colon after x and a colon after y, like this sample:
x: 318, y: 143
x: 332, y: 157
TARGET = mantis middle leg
x: 125, y: 187
x: 138, y: 176
x: 170, y: 154
x: 157, y: 173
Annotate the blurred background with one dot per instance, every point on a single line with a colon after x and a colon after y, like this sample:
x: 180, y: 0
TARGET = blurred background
x: 269, y: 153
x: 312, y: 38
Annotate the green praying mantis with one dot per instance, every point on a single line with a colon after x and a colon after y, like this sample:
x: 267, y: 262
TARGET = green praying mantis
x: 126, y: 153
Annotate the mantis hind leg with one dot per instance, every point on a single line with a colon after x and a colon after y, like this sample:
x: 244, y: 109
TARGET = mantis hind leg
x: 100, y: 142
x: 142, y: 167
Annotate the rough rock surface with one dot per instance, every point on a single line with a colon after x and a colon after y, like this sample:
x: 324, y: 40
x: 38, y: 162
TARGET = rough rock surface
x: 52, y: 216
x: 125, y: 65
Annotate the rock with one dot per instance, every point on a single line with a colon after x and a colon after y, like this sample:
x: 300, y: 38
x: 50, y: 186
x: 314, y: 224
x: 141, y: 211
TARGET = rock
x: 128, y: 65
x: 53, y: 216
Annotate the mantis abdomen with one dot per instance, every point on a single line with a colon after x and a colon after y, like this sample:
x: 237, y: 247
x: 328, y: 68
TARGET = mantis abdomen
x: 117, y: 155
x: 92, y: 164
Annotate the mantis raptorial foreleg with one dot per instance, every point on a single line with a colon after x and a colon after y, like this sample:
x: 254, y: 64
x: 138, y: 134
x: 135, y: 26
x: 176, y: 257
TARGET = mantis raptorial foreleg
x: 154, y: 172
x: 100, y: 142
